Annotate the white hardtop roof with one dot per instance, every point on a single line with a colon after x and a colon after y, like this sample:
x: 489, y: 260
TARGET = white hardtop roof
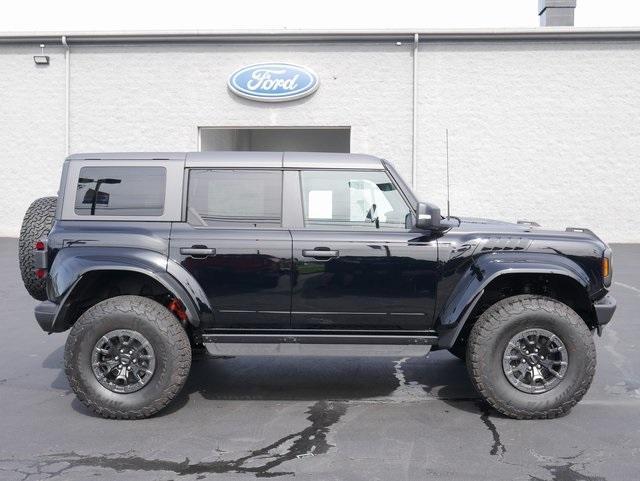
x: 239, y: 159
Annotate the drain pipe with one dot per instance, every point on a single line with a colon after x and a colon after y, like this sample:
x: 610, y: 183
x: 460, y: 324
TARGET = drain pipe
x: 414, y: 147
x: 67, y: 98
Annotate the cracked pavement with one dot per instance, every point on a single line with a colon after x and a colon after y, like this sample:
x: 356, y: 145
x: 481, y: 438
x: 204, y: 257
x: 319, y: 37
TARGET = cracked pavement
x: 316, y: 418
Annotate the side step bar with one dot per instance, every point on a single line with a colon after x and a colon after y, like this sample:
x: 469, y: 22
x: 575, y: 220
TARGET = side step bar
x: 319, y: 345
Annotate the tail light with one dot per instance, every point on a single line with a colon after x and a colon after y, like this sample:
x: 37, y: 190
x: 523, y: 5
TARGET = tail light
x: 40, y: 259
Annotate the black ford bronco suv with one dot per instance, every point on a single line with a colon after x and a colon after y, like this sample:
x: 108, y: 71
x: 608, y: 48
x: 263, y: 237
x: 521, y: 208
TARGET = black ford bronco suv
x: 148, y: 256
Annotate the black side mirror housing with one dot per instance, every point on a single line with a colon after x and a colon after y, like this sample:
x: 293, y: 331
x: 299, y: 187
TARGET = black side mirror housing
x: 428, y: 216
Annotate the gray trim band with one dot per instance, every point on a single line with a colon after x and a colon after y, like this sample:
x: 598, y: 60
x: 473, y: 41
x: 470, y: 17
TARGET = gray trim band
x: 283, y: 36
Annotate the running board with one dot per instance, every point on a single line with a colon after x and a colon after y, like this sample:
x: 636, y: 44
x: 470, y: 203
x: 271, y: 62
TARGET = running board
x: 318, y: 345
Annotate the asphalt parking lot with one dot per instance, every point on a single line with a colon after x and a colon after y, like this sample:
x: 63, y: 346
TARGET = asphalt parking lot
x: 316, y: 418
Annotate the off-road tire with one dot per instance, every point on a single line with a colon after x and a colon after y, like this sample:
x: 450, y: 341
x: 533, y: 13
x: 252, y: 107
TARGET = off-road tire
x: 488, y: 340
x: 36, y: 224
x: 159, y: 326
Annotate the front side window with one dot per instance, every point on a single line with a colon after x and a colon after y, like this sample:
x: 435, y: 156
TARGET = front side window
x: 235, y: 198
x: 360, y: 199
x: 121, y: 191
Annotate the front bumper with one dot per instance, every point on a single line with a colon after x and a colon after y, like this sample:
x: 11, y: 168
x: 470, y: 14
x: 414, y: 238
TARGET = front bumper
x: 605, y: 308
x: 46, y: 314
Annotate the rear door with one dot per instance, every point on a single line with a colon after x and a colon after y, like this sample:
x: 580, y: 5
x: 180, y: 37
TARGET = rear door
x: 358, y: 266
x: 234, y: 245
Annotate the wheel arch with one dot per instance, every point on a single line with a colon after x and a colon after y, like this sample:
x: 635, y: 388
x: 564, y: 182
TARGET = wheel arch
x: 82, y: 279
x: 492, y: 279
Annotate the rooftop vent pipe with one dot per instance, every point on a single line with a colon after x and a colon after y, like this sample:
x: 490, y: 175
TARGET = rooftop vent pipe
x: 556, y: 13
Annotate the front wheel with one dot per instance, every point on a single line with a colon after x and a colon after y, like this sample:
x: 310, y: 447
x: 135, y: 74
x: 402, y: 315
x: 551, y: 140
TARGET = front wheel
x: 127, y: 357
x: 531, y: 357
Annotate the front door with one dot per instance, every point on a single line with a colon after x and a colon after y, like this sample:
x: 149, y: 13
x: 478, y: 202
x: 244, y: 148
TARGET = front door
x: 234, y: 246
x: 357, y: 264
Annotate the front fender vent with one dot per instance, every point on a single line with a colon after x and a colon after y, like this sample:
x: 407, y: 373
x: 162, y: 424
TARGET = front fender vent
x: 493, y: 244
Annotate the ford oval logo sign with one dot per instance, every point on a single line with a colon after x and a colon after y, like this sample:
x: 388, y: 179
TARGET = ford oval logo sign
x: 273, y: 82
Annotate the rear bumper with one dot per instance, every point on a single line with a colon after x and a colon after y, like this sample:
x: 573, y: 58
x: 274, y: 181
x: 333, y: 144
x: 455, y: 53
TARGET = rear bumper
x: 45, y: 315
x: 605, y: 308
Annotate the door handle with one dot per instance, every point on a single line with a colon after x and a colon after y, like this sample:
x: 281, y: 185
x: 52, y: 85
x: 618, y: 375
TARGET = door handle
x: 197, y: 252
x: 320, y: 254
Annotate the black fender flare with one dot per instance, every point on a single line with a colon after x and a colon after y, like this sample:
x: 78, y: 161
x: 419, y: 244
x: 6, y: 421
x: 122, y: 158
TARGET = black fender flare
x: 71, y: 264
x: 486, y: 268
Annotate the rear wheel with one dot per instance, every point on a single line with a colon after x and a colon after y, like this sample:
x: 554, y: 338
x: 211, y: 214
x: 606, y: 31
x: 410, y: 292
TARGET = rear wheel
x: 531, y: 357
x: 127, y: 357
x: 36, y: 224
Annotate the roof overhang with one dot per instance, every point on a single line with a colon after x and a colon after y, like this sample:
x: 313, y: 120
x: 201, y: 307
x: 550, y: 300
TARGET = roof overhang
x: 319, y: 36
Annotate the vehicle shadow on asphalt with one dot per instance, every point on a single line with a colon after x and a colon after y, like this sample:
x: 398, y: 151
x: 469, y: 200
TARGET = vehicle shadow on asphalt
x: 271, y: 378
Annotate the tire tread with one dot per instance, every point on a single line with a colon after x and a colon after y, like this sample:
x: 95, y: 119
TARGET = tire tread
x: 36, y: 224
x: 486, y: 328
x: 164, y: 321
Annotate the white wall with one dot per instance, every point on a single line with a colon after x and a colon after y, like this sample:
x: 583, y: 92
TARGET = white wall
x: 538, y: 131
x: 155, y: 97
x: 32, y: 130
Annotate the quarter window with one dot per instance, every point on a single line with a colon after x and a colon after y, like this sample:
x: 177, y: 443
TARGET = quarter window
x: 121, y: 191
x: 235, y: 198
x: 353, y: 199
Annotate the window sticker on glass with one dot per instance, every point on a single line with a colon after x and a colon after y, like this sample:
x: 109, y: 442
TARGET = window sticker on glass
x: 320, y: 204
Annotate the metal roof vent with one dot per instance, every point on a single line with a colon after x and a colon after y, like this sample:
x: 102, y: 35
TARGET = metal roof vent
x: 556, y: 13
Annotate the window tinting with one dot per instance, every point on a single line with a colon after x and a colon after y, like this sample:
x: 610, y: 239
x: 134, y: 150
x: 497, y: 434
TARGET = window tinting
x: 121, y: 191
x: 243, y: 198
x: 349, y: 199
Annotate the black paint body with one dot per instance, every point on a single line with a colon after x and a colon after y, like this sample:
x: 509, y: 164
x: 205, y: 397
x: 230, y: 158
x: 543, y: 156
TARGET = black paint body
x: 409, y: 280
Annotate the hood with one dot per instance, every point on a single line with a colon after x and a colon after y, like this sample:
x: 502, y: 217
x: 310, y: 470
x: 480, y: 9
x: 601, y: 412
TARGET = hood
x: 478, y: 223
x: 481, y: 225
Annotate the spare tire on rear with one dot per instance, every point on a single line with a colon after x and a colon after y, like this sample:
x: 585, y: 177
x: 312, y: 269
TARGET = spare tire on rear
x: 36, y: 225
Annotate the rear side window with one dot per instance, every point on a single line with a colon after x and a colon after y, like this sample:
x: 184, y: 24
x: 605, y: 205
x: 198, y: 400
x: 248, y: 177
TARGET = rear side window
x: 121, y: 191
x: 235, y: 198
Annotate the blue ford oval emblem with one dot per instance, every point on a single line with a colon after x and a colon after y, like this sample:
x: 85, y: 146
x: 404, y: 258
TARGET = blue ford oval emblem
x: 273, y: 82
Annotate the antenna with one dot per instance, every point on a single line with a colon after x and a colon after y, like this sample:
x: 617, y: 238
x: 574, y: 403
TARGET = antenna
x: 448, y: 184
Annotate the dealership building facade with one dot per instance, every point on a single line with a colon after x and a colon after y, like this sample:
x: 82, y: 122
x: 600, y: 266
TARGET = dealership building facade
x: 543, y: 124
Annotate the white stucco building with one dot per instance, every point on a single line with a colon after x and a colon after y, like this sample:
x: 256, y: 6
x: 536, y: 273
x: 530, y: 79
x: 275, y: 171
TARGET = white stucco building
x: 543, y: 123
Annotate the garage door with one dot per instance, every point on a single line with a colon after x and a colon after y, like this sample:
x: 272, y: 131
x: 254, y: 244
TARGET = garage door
x: 296, y: 139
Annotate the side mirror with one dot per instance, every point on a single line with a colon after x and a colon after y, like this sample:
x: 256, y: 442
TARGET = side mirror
x: 428, y: 216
